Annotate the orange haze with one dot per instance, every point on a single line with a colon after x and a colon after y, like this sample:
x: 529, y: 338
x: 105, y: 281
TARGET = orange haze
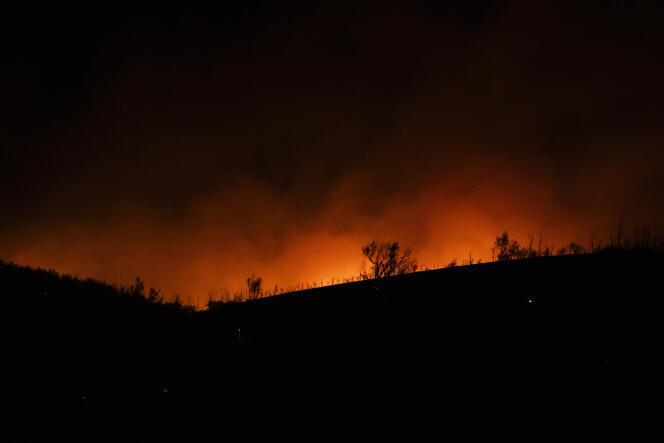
x: 194, y: 151
x: 227, y: 236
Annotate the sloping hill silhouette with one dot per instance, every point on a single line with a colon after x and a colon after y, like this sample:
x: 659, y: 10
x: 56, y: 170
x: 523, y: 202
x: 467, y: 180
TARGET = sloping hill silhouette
x: 506, y: 329
x: 557, y: 300
x: 67, y: 336
x: 524, y: 349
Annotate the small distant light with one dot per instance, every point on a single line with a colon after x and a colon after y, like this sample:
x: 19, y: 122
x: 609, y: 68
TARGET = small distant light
x: 164, y: 390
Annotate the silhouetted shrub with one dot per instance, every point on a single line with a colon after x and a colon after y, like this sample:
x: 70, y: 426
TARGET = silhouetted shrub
x: 138, y: 288
x: 254, y: 290
x: 575, y: 249
x: 387, y: 259
x: 154, y: 296
x: 504, y: 249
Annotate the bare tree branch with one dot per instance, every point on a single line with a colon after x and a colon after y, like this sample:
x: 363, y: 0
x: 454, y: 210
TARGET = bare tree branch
x: 387, y: 259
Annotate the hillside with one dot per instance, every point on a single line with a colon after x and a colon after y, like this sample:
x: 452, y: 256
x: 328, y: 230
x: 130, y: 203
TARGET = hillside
x: 67, y: 336
x: 596, y: 304
x: 571, y: 299
x: 504, y: 327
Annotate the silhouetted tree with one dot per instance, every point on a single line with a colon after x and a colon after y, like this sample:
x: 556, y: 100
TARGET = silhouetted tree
x: 506, y: 249
x: 177, y: 302
x: 138, y: 288
x: 387, y: 259
x: 575, y: 248
x: 154, y: 296
x: 254, y: 287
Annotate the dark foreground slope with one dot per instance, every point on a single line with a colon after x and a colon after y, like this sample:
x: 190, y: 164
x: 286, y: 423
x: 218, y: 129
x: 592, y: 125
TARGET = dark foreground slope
x: 555, y: 347
x: 64, y: 334
x: 601, y: 306
x: 519, y: 349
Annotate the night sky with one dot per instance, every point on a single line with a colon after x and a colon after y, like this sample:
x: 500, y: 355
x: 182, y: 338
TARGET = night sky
x: 195, y: 148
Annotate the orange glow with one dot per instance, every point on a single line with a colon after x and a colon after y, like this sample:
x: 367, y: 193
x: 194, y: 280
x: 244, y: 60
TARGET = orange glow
x: 280, y: 150
x: 209, y: 249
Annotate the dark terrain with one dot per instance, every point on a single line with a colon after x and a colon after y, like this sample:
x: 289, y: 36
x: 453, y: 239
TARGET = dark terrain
x: 522, y: 348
